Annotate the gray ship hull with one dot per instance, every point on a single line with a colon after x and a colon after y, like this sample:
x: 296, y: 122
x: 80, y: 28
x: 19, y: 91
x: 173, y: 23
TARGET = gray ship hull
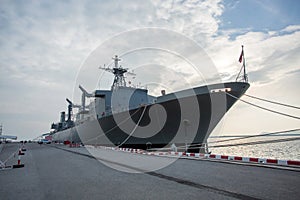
x: 184, y: 118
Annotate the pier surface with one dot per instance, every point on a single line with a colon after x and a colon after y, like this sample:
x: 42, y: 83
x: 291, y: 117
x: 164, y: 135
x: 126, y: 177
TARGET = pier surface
x: 59, y: 172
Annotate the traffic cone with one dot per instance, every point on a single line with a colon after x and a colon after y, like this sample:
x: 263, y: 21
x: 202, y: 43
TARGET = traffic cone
x: 21, y: 153
x: 23, y: 148
x: 19, y: 165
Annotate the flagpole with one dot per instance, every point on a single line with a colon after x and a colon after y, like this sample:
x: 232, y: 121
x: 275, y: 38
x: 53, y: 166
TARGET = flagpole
x: 242, y: 59
x: 244, y: 65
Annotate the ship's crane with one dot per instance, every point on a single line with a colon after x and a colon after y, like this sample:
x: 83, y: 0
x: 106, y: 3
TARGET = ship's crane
x: 71, y: 103
x: 70, y: 108
x: 83, y: 96
x: 119, y: 72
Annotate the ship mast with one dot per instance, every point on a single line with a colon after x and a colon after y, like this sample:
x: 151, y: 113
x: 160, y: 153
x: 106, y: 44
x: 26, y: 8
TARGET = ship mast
x: 118, y: 72
x: 243, y: 77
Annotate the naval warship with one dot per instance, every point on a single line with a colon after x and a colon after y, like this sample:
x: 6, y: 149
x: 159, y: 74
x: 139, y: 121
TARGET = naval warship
x: 129, y: 117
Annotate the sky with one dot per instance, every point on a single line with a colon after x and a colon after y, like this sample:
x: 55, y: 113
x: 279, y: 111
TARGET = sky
x: 43, y: 45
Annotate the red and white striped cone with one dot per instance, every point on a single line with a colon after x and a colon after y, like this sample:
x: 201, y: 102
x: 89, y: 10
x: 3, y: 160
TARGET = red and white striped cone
x: 20, y: 152
x: 19, y: 160
x: 19, y: 165
x: 23, y: 148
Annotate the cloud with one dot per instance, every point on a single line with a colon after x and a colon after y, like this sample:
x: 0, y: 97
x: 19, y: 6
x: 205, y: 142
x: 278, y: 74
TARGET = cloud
x: 291, y: 28
x: 43, y: 44
x: 193, y: 18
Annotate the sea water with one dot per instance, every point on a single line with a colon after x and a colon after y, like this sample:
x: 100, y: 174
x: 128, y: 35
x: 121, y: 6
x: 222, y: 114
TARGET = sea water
x: 287, y: 150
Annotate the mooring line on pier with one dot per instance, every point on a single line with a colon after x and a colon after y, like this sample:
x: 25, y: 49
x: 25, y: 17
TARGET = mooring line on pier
x: 277, y: 133
x: 274, y: 102
x: 263, y: 108
x: 257, y: 142
x: 171, y: 178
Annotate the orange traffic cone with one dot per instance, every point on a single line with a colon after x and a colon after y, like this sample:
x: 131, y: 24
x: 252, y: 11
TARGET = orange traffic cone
x: 20, y: 152
x: 19, y: 165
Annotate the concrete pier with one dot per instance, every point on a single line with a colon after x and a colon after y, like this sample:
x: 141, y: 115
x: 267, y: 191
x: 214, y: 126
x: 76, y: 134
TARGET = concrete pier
x: 59, y: 172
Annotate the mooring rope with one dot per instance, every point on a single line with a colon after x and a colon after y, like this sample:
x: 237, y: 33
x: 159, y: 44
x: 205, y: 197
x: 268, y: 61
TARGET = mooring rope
x: 263, y: 108
x: 111, y: 129
x: 136, y: 125
x: 201, y: 145
x: 253, y: 136
x: 274, y: 102
x: 256, y: 142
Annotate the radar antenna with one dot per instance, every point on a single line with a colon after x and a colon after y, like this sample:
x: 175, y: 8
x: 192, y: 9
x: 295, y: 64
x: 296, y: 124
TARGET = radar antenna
x: 119, y: 72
